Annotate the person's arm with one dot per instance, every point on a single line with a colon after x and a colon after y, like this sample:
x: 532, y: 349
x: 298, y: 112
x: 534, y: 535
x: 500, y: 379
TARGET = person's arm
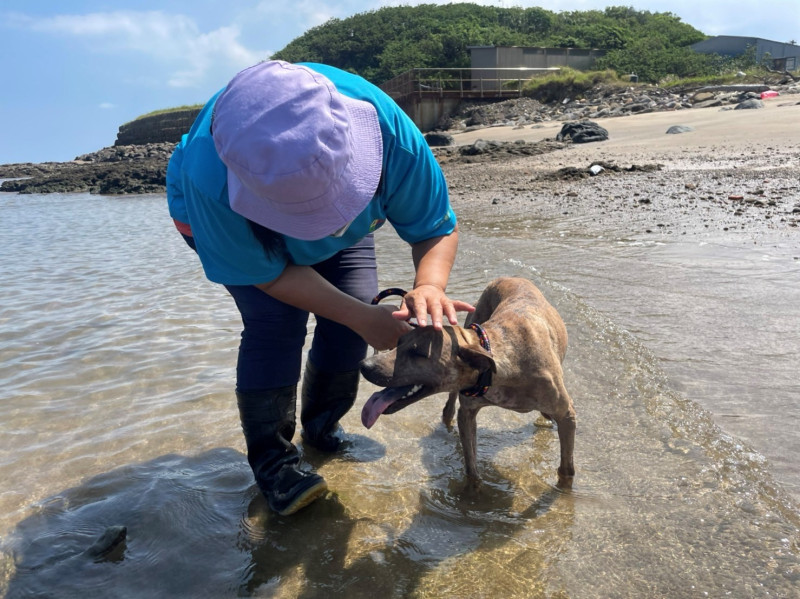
x: 433, y: 261
x: 304, y: 288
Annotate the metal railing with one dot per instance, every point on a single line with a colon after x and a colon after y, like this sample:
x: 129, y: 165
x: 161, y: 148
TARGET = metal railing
x: 491, y: 82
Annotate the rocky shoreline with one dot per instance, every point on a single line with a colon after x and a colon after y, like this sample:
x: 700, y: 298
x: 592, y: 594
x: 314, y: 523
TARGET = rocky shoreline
x: 110, y: 171
x: 141, y: 169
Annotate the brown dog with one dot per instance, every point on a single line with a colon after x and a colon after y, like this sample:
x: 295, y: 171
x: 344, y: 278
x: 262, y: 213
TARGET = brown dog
x: 521, y: 371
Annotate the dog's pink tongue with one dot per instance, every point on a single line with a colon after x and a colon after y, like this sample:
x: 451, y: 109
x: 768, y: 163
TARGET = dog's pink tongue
x: 377, y: 404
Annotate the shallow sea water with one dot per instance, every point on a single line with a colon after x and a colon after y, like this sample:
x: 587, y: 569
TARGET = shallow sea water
x: 118, y: 359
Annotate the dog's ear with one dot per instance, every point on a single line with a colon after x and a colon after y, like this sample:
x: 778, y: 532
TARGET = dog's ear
x: 477, y: 357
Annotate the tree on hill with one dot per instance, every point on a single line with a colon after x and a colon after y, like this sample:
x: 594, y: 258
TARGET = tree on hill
x: 384, y: 43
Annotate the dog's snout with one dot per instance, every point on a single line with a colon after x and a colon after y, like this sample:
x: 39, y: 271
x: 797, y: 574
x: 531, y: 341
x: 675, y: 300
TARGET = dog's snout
x: 370, y: 370
x: 379, y: 369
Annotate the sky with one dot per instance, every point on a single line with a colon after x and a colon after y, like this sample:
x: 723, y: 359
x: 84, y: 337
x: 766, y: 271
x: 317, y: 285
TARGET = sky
x: 73, y: 72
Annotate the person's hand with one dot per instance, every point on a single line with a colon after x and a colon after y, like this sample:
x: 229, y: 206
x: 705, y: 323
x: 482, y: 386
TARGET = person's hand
x: 430, y: 299
x: 377, y: 327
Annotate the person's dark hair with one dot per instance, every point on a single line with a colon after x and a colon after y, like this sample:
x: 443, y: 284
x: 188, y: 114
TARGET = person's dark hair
x: 272, y: 242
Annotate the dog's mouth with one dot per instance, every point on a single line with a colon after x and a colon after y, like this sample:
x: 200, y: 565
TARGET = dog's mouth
x: 389, y: 401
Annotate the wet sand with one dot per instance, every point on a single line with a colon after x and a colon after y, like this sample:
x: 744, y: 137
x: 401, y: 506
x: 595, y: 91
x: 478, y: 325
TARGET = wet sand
x: 735, y: 175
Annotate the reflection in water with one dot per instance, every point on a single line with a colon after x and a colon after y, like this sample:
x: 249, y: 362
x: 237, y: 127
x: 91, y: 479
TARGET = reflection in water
x: 118, y: 411
x: 431, y: 542
x: 181, y: 516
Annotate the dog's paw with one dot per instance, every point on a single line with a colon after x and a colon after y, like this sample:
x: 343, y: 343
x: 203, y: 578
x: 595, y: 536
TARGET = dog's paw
x: 448, y: 413
x: 565, y: 478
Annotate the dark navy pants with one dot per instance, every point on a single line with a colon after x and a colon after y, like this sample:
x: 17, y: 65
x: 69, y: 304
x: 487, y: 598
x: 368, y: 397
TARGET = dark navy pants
x: 274, y: 333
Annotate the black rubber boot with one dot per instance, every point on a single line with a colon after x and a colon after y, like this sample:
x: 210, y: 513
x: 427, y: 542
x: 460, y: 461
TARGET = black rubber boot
x: 326, y: 397
x: 268, y: 423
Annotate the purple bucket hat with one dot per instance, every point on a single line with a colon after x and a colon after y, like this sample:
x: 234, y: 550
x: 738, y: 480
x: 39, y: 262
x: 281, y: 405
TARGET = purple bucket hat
x: 303, y: 159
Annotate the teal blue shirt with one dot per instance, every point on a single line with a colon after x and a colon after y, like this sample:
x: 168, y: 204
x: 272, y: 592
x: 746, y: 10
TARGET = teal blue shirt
x: 412, y: 195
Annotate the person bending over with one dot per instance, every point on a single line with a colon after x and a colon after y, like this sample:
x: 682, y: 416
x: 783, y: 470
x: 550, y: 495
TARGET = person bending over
x: 278, y: 187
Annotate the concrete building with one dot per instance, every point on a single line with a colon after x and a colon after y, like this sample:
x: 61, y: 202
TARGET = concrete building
x: 500, y: 62
x: 785, y: 57
x: 532, y: 57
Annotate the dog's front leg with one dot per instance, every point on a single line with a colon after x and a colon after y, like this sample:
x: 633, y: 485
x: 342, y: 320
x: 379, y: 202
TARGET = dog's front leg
x: 468, y: 433
x: 566, y: 436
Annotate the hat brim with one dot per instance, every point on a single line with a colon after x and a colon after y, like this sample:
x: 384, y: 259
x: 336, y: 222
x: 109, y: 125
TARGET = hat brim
x: 342, y: 203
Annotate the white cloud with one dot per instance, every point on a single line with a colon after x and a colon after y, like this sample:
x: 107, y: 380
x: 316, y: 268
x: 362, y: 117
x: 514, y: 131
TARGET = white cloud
x: 203, y: 50
x: 172, y: 41
x: 308, y: 13
x: 106, y: 105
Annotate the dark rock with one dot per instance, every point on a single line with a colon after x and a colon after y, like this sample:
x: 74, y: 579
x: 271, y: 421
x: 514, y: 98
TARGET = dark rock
x: 478, y: 147
x: 439, y: 139
x: 675, y: 129
x: 749, y: 96
x: 582, y: 132
x: 477, y: 118
x: 110, y: 540
x: 750, y: 104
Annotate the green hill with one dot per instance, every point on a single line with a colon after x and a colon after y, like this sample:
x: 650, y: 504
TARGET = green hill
x: 384, y: 43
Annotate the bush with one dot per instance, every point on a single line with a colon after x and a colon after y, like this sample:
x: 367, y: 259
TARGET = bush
x: 568, y: 83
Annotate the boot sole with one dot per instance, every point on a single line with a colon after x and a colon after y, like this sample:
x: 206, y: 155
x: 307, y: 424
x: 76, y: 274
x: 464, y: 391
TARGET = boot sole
x: 308, y: 496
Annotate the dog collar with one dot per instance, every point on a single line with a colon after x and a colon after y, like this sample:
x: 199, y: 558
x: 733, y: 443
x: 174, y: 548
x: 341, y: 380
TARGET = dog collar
x: 389, y: 292
x: 485, y: 379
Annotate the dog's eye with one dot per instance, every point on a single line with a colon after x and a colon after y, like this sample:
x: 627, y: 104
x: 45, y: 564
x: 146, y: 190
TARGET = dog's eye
x: 419, y: 350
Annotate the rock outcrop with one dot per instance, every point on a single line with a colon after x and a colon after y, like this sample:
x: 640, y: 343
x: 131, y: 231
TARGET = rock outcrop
x: 114, y: 170
x: 157, y: 128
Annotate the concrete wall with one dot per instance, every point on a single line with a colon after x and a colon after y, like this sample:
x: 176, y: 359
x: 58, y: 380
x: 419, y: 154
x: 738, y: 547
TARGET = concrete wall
x: 426, y: 112
x: 529, y: 57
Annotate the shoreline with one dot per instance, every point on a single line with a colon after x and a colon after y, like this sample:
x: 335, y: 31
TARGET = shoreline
x: 734, y: 176
x: 734, y: 173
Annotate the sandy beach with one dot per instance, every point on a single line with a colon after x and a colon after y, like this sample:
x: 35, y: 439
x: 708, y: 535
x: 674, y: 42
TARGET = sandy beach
x: 769, y: 133
x: 735, y: 173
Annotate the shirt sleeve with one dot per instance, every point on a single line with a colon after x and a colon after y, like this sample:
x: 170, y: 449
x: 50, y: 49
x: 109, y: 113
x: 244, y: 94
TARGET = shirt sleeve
x: 176, y: 200
x: 197, y: 194
x: 417, y: 199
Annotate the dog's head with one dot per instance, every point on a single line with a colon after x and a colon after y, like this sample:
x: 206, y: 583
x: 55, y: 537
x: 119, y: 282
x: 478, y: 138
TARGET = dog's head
x: 425, y: 362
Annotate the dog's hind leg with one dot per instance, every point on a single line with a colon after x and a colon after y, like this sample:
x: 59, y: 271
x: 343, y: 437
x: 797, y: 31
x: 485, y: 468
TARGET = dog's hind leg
x: 468, y: 433
x: 449, y: 410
